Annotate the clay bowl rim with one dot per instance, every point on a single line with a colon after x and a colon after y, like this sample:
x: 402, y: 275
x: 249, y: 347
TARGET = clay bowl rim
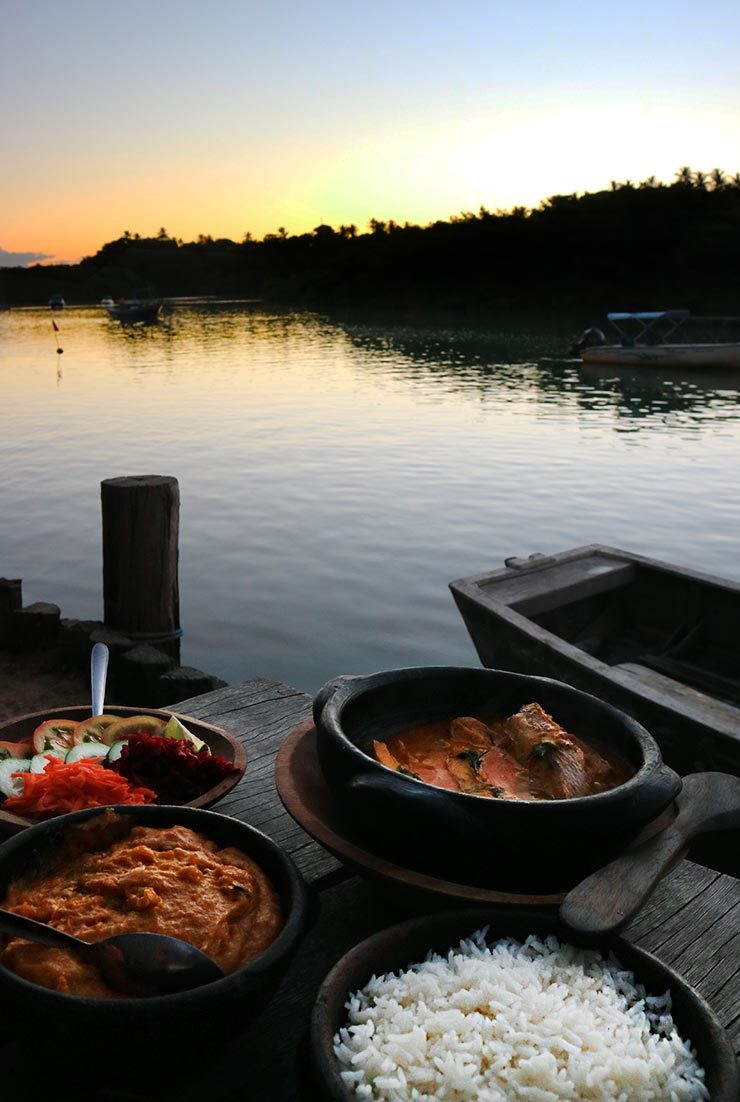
x: 282, y: 947
x: 394, y: 947
x: 206, y: 799
x: 339, y: 691
x: 291, y: 783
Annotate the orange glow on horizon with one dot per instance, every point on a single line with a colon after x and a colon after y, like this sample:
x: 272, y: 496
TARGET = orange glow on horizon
x: 420, y: 173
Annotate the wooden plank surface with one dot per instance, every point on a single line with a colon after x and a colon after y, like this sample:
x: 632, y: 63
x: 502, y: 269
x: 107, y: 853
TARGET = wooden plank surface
x: 262, y: 713
x: 691, y: 922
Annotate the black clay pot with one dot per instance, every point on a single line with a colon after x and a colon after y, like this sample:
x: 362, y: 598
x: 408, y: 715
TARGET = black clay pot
x: 517, y: 845
x: 163, y: 1031
x: 398, y: 946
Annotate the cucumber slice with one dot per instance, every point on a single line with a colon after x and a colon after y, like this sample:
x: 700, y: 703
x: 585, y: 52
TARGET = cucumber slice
x: 115, y: 751
x: 86, y: 750
x: 10, y: 785
x: 40, y: 761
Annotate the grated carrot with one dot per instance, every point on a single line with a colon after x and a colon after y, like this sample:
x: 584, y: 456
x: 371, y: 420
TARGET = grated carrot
x: 73, y: 786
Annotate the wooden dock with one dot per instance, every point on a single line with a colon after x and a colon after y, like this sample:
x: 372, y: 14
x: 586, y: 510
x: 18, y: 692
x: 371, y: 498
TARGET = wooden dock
x: 692, y: 922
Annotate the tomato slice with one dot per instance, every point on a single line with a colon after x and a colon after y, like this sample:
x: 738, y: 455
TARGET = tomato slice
x: 53, y: 734
x: 93, y: 730
x: 134, y: 725
x: 18, y: 750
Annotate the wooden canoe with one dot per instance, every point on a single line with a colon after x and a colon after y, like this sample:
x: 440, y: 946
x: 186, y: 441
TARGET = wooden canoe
x: 658, y: 641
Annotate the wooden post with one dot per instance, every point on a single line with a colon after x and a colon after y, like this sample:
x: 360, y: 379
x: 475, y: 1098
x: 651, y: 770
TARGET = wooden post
x: 141, y: 517
x: 36, y: 627
x: 10, y: 601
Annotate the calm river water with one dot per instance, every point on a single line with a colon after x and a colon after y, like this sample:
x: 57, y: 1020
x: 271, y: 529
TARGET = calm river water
x: 335, y: 475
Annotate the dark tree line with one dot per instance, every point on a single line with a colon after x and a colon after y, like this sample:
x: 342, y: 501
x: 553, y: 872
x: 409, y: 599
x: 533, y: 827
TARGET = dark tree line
x: 633, y: 246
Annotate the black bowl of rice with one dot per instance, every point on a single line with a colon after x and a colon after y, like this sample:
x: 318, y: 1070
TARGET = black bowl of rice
x: 504, y: 1007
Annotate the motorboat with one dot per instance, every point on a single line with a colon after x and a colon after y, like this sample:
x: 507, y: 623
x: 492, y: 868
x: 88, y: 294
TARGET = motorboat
x: 645, y: 341
x: 131, y: 310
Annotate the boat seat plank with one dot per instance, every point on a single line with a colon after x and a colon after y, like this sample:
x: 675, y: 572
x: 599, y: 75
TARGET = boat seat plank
x: 696, y: 676
x: 543, y: 590
x: 720, y: 711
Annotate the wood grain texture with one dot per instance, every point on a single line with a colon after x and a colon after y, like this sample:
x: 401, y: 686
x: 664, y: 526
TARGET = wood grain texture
x: 141, y: 517
x: 611, y: 896
x: 691, y: 921
x: 262, y: 713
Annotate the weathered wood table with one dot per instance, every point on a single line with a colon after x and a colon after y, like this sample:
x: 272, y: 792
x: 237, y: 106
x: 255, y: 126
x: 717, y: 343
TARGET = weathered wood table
x: 692, y: 921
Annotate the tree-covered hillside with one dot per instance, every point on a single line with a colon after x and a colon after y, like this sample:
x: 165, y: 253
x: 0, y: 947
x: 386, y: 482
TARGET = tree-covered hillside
x: 634, y: 246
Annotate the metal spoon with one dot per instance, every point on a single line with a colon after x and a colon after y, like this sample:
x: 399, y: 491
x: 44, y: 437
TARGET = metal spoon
x: 133, y: 964
x: 98, y: 674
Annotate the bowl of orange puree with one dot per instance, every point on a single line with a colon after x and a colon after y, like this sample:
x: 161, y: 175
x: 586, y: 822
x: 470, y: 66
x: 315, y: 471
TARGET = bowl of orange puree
x: 206, y: 878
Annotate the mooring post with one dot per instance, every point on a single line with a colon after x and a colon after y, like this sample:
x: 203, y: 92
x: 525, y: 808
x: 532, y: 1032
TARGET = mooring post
x: 11, y: 601
x: 141, y: 516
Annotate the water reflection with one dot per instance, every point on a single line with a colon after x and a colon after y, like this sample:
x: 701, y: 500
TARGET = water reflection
x: 526, y: 365
x: 337, y: 472
x: 689, y: 398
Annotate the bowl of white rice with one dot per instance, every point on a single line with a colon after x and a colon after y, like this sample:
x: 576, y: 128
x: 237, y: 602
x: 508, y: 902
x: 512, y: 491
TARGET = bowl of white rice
x: 505, y: 1007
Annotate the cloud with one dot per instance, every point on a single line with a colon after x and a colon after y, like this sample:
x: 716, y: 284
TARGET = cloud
x: 20, y: 260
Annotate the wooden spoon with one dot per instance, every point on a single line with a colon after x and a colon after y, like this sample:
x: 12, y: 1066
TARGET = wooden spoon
x: 608, y: 899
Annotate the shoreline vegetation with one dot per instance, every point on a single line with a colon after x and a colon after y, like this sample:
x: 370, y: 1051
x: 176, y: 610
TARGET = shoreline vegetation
x: 633, y: 246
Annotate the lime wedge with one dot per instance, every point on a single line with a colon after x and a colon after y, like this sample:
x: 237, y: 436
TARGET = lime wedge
x: 175, y: 729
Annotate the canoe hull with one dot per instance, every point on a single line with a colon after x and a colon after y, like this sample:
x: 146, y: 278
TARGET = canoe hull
x: 694, y: 729
x: 665, y: 355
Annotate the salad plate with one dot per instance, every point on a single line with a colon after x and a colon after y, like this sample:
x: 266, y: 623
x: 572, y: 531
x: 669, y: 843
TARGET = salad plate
x: 16, y: 739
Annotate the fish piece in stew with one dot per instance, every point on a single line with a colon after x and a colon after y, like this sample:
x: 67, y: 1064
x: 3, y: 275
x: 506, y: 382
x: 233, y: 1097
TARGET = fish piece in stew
x: 525, y: 756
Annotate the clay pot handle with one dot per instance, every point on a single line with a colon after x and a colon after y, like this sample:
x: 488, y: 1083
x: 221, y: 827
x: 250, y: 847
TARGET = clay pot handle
x: 380, y: 796
x: 326, y: 692
x: 605, y: 901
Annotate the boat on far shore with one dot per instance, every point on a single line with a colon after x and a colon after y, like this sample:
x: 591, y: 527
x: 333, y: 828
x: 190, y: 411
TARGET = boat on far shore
x: 131, y: 310
x: 643, y: 342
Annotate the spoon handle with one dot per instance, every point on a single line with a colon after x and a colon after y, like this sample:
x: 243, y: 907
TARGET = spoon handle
x: 20, y: 926
x: 98, y: 674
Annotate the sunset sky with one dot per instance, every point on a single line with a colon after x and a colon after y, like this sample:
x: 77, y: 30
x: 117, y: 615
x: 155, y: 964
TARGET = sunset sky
x: 238, y: 115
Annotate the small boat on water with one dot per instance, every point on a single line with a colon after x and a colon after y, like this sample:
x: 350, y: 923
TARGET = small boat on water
x: 658, y: 641
x: 56, y: 302
x: 644, y: 342
x: 131, y: 310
